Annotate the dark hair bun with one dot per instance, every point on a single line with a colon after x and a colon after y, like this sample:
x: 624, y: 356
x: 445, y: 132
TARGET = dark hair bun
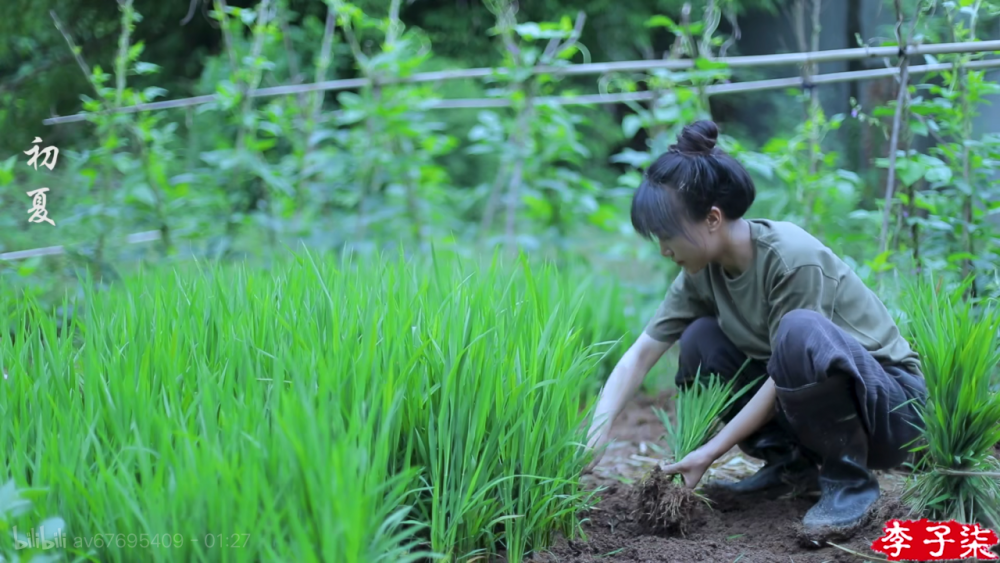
x: 699, y: 137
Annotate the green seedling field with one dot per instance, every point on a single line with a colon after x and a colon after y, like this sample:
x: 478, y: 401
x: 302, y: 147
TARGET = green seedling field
x: 320, y: 410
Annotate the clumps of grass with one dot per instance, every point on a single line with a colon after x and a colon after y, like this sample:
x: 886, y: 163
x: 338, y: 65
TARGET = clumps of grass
x: 318, y: 410
x: 663, y: 504
x: 959, y: 343
x: 699, y: 409
x: 606, y: 324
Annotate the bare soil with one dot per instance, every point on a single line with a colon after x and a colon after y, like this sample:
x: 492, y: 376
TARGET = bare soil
x: 747, y: 529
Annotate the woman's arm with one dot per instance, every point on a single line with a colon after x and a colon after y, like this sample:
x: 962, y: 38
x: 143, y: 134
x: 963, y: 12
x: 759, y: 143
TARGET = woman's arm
x: 625, y: 379
x: 754, y: 415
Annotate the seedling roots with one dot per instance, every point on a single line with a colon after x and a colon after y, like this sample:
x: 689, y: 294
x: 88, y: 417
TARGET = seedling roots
x: 663, y: 505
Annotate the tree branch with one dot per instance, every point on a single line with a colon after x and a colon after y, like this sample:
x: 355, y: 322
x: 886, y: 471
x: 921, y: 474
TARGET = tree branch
x: 220, y: 6
x: 191, y: 8
x: 254, y: 81
x: 322, y: 65
x: 121, y: 61
x: 734, y: 22
x: 295, y: 75
x: 896, y: 124
x: 76, y: 52
x: 557, y: 46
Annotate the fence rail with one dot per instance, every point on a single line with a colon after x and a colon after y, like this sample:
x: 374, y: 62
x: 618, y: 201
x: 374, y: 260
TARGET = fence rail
x: 715, y: 89
x: 134, y: 238
x: 833, y: 55
x: 595, y: 99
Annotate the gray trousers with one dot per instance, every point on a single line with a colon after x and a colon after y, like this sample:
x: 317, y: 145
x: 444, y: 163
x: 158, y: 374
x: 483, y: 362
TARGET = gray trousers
x: 809, y: 349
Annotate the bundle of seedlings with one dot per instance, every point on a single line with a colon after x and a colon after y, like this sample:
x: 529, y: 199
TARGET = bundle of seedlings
x: 957, y: 476
x: 663, y: 504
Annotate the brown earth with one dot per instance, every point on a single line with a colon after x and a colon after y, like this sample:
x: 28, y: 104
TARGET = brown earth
x: 750, y: 529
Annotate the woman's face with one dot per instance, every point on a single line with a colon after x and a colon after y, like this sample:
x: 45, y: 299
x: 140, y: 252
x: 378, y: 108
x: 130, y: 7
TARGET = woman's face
x: 692, y: 252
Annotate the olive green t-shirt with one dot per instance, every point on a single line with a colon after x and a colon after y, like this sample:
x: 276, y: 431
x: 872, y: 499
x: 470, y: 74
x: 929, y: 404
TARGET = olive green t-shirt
x: 790, y: 270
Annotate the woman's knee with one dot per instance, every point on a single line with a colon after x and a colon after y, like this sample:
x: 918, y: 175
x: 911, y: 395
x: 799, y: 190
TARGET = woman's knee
x: 704, y: 329
x: 798, y: 324
x: 790, y: 365
x: 698, y: 340
x: 705, y: 349
x: 696, y: 343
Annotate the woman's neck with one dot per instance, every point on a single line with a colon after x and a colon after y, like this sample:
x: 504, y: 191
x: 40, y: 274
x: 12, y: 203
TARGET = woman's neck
x: 737, y: 254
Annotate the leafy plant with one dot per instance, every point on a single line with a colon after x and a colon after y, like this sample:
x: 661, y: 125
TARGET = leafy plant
x: 662, y: 505
x: 385, y: 164
x: 699, y: 408
x: 959, y: 343
x: 946, y: 195
x: 538, y: 146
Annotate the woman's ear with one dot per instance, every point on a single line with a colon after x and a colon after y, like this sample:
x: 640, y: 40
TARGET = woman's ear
x: 714, y: 219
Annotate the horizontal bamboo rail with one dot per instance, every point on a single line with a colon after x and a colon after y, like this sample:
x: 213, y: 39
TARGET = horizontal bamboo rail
x: 715, y: 89
x: 575, y: 70
x: 134, y: 238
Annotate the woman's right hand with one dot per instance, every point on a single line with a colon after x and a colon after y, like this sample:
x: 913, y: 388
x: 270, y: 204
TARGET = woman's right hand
x: 692, y: 467
x: 623, y: 382
x: 599, y: 437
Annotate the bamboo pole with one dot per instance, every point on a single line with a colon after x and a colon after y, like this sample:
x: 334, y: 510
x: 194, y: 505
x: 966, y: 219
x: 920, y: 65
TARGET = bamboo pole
x: 134, y: 238
x: 715, y: 89
x: 576, y: 70
x: 897, y: 124
x: 587, y: 99
x: 760, y: 85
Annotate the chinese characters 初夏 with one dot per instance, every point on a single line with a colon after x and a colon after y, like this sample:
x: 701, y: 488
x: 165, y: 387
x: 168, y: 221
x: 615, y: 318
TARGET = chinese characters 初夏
x: 49, y: 155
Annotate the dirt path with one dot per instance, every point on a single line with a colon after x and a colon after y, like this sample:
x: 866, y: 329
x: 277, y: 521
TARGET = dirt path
x: 747, y: 530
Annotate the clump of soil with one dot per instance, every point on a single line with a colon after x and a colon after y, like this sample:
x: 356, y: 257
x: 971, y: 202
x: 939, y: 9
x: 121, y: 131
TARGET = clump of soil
x: 744, y: 528
x: 663, y: 506
x: 889, y: 508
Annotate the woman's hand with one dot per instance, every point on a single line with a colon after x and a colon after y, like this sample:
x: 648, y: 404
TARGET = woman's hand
x: 599, y: 437
x: 623, y: 382
x: 692, y: 467
x: 754, y: 415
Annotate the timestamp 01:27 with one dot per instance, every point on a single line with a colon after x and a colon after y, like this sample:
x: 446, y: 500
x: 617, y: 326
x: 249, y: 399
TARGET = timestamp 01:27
x: 226, y: 540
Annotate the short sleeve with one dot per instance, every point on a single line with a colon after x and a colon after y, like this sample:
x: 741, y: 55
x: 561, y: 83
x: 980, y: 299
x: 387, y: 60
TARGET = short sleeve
x: 805, y: 287
x: 681, y: 306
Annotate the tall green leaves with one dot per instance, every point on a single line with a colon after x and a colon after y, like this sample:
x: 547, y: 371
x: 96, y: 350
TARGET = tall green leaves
x: 959, y: 344
x: 313, y: 411
x: 699, y: 409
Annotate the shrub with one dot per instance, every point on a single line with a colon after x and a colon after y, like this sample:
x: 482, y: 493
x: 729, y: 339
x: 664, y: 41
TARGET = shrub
x: 958, y: 342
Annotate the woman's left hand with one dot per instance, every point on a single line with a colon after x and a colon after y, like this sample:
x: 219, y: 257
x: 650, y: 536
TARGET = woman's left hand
x: 754, y: 415
x: 692, y: 467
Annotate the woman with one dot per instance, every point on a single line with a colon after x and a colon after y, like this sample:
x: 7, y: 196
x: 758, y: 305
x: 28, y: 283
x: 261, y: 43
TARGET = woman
x: 836, y: 382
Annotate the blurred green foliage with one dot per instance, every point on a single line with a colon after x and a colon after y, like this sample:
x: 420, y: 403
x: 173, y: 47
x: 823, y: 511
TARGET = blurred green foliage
x: 376, y: 166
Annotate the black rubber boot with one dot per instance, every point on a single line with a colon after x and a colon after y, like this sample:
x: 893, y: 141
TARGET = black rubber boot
x: 825, y: 418
x: 785, y: 468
